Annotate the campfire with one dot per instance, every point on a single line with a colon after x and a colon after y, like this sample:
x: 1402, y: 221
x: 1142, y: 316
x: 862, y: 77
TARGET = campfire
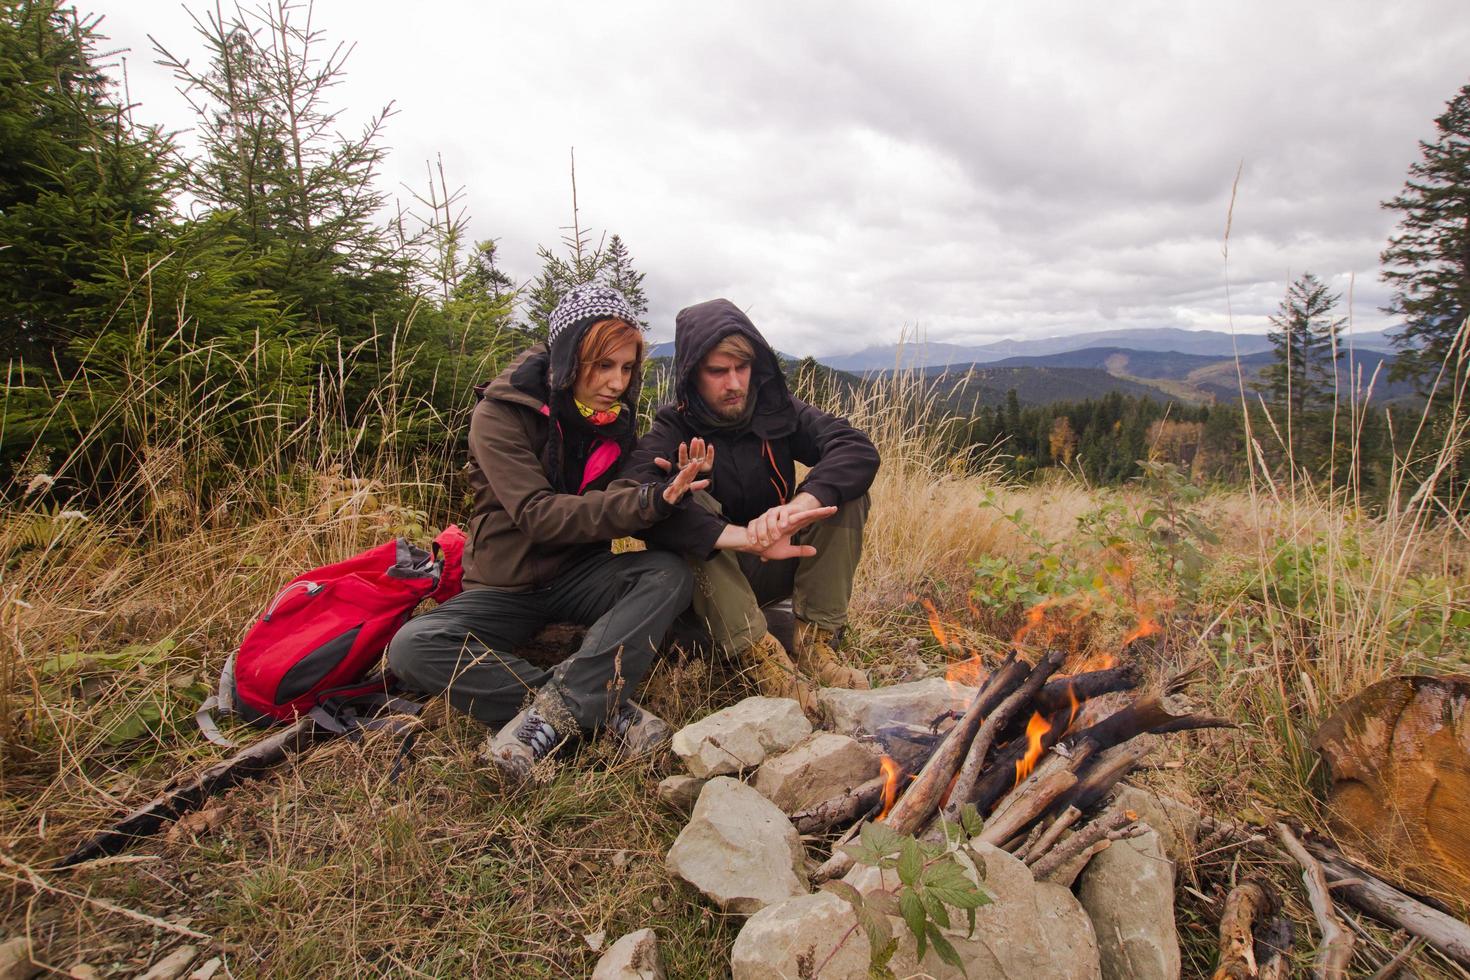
x: 1034, y: 750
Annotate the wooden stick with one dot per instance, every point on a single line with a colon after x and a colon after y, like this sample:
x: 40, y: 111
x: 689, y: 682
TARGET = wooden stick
x: 1337, y: 939
x: 1107, y: 770
x: 1247, y: 902
x: 964, y: 784
x: 1058, y: 826
x: 1060, y: 694
x: 922, y: 795
x: 1053, y: 777
x: 1392, y: 967
x: 1102, y: 828
x: 188, y: 794
x: 839, y: 809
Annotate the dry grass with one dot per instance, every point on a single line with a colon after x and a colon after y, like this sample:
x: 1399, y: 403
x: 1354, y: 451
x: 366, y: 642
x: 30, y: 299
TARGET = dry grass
x: 329, y: 868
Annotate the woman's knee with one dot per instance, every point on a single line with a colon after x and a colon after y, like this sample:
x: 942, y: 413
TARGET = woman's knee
x: 672, y: 574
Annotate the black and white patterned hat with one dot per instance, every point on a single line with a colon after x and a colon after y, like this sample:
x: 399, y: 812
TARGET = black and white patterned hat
x: 587, y: 302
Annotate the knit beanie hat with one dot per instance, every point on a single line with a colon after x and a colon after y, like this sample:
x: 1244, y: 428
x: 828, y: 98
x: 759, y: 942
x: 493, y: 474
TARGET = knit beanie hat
x: 590, y: 302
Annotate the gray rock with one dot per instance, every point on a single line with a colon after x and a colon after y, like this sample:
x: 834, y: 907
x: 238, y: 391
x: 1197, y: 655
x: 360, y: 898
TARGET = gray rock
x: 1030, y: 931
x: 634, y: 957
x: 1128, y: 892
x: 679, y: 793
x: 915, y: 703
x: 740, y: 736
x: 738, y: 849
x: 817, y: 768
x: 794, y: 937
x: 15, y: 959
x: 1176, y: 822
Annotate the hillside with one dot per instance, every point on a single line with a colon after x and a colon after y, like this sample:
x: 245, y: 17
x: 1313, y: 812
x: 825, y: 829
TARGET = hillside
x: 978, y: 385
x: 1205, y: 343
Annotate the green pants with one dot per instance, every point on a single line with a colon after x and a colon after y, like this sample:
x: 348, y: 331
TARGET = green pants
x: 731, y: 588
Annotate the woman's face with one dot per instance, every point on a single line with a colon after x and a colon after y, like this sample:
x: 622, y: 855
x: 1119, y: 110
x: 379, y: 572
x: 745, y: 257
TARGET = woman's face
x: 600, y: 383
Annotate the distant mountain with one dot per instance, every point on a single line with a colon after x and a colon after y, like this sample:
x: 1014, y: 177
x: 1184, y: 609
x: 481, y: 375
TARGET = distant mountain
x: 966, y: 389
x: 1196, y: 377
x: 665, y: 348
x: 1207, y: 343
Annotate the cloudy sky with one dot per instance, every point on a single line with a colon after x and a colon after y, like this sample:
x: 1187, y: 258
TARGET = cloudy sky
x: 848, y: 171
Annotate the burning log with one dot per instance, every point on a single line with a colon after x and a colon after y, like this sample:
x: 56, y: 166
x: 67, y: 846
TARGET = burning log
x: 980, y: 745
x: 1150, y: 713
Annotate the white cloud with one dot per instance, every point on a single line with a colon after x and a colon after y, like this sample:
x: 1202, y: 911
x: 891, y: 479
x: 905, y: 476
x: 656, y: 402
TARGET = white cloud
x: 846, y: 169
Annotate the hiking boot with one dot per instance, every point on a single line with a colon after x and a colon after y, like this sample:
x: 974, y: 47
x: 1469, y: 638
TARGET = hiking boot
x: 816, y: 656
x: 531, y: 736
x: 776, y: 676
x: 641, y: 731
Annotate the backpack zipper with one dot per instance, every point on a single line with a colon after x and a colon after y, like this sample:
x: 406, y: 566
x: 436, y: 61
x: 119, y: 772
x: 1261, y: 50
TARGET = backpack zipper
x: 312, y: 588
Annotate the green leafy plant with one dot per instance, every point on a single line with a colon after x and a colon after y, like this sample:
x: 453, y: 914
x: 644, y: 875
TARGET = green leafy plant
x: 933, y: 878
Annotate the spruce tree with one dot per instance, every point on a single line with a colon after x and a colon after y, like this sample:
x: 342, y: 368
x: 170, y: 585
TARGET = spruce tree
x: 1305, y: 342
x: 80, y: 185
x: 618, y: 272
x: 1428, y: 261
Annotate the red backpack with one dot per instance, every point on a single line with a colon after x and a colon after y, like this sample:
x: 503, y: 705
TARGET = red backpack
x: 319, y: 638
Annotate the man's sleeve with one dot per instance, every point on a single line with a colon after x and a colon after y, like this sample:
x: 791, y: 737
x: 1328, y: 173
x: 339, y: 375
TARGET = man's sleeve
x: 689, y: 529
x: 502, y: 450
x: 843, y: 460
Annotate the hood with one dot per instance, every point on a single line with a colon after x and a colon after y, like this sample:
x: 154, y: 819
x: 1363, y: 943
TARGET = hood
x: 698, y: 328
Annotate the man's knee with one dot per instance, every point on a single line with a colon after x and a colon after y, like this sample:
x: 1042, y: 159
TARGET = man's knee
x: 410, y: 648
x: 667, y: 574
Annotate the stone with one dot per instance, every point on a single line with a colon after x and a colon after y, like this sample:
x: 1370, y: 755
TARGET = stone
x: 15, y: 959
x: 817, y: 768
x: 794, y: 937
x: 916, y: 703
x: 1030, y: 930
x: 633, y: 957
x: 898, y: 718
x: 740, y: 736
x: 679, y: 793
x: 738, y: 849
x: 172, y: 966
x: 1128, y: 892
x: 1176, y: 822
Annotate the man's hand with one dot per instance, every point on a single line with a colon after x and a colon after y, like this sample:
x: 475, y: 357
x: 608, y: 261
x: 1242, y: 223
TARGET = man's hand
x: 686, y: 480
x: 696, y: 449
x: 785, y: 520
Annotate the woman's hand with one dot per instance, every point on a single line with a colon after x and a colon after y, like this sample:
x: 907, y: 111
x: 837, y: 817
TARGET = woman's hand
x: 686, y: 480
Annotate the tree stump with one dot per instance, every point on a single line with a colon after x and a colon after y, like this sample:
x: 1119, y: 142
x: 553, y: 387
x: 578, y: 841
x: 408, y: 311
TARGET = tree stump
x: 1399, y: 757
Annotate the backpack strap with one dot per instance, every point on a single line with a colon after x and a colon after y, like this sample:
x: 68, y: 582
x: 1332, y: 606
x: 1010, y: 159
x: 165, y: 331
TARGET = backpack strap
x: 204, y: 718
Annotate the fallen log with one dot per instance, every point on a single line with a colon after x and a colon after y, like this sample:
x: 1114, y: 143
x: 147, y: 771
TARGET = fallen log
x: 1273, y: 950
x: 189, y: 793
x: 1248, y: 903
x: 1382, y: 901
x: 852, y: 805
x: 1337, y: 941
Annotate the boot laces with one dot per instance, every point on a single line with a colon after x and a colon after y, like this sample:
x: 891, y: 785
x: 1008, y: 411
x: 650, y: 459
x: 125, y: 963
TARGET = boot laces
x: 625, y: 718
x: 537, y: 732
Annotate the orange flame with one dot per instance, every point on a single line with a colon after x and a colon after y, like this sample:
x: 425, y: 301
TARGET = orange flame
x: 891, y: 771
x: 1035, y: 729
x: 1074, y: 707
x: 935, y: 625
x: 1146, y: 627
x: 967, y: 673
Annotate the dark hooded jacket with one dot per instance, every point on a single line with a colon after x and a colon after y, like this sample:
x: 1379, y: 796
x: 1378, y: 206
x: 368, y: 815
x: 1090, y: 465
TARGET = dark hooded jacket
x: 524, y: 531
x: 755, y: 463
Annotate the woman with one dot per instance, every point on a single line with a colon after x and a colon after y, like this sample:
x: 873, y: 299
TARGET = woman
x: 547, y: 439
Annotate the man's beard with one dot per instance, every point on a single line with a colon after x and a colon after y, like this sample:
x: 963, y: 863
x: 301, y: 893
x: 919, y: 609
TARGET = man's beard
x: 730, y: 410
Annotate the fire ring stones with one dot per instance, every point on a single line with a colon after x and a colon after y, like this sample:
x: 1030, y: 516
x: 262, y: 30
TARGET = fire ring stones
x: 740, y: 736
x: 738, y: 849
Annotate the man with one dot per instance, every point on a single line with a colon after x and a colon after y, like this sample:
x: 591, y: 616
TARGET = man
x: 730, y: 392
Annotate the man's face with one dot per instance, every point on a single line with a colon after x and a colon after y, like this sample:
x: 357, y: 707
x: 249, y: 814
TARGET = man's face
x: 723, y: 381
